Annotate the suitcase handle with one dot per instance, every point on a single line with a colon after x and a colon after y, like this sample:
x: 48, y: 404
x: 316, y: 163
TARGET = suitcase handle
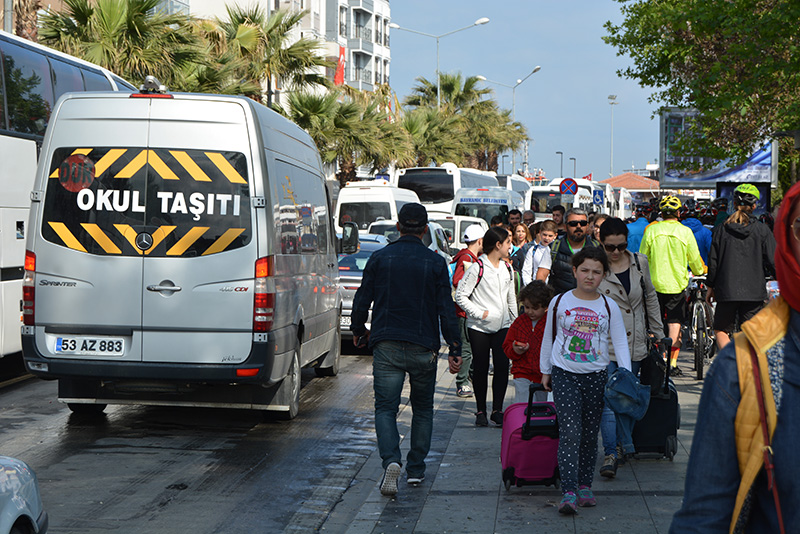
x: 667, y: 342
x: 541, y: 410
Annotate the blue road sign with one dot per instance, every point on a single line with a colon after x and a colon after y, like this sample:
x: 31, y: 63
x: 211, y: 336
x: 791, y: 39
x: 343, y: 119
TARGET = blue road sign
x: 568, y: 186
x: 597, y: 197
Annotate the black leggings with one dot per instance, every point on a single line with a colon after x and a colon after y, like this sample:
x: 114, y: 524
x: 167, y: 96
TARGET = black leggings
x: 481, y: 345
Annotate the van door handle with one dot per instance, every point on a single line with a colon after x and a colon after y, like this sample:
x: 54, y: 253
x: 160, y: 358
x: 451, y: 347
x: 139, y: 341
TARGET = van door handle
x: 163, y: 288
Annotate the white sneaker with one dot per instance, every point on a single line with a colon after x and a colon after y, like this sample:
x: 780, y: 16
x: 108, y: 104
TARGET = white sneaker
x: 390, y: 476
x: 415, y: 481
x: 464, y: 391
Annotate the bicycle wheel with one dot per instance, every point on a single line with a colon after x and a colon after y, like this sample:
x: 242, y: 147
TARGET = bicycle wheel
x: 701, y: 339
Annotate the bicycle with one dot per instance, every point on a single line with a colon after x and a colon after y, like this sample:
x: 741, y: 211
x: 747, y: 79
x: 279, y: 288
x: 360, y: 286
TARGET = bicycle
x: 701, y: 320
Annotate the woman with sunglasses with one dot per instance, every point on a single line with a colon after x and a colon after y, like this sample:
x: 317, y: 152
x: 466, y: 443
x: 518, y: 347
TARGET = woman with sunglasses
x: 747, y: 420
x: 741, y: 256
x: 627, y: 283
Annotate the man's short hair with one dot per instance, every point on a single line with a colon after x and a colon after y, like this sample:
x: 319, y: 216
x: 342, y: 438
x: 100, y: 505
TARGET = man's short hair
x: 576, y: 211
x: 496, y: 221
x: 515, y: 211
x: 537, y: 293
x: 558, y: 207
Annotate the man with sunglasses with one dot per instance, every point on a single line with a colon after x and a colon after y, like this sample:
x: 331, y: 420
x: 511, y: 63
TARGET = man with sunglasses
x: 670, y: 246
x: 563, y: 248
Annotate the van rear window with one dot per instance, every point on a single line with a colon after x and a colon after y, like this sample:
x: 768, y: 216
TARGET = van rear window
x: 154, y: 202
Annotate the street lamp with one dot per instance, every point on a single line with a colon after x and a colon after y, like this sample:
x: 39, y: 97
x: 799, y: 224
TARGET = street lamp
x: 503, y: 159
x: 513, y: 88
x: 395, y: 26
x: 612, y: 100
x: 574, y: 167
x: 562, y: 163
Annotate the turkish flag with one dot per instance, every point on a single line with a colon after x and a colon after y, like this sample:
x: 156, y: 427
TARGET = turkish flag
x: 588, y: 177
x: 338, y: 78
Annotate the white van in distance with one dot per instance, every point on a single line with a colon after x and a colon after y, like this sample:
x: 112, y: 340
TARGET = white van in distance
x: 363, y: 203
x: 181, y: 251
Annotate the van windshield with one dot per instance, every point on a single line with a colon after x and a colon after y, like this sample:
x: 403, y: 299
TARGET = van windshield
x: 543, y: 202
x: 155, y: 202
x: 431, y: 185
x: 364, y: 213
x: 483, y: 211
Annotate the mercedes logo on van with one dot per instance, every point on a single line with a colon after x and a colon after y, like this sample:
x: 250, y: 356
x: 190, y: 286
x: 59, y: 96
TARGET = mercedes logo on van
x: 144, y: 241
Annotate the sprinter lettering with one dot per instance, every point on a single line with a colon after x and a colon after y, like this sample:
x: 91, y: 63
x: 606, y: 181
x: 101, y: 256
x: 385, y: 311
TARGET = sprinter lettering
x: 107, y: 200
x: 176, y: 203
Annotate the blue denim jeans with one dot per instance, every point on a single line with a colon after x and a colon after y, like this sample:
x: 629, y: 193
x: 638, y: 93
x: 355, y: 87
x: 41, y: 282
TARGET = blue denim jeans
x: 391, y: 361
x: 614, y: 428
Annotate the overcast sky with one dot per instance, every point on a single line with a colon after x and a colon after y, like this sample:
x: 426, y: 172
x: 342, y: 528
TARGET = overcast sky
x: 565, y: 105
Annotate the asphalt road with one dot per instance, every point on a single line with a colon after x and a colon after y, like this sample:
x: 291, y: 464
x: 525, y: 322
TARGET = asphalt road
x: 152, y: 470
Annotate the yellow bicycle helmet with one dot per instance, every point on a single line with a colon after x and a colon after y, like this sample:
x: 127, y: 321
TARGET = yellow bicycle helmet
x: 746, y: 194
x: 669, y: 204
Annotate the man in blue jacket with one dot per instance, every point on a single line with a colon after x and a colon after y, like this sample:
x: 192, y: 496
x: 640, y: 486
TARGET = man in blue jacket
x: 636, y: 231
x: 701, y: 234
x: 410, y: 287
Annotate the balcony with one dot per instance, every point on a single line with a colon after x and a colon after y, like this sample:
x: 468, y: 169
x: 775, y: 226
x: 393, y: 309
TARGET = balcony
x: 343, y: 29
x: 362, y: 75
x: 363, y: 33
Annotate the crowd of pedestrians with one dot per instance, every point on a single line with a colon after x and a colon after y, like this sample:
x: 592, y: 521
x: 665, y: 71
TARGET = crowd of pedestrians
x: 593, y: 290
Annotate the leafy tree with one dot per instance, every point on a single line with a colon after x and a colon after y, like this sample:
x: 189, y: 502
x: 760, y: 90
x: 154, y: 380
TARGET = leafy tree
x: 435, y: 137
x: 736, y: 62
x: 264, y: 43
x: 128, y: 37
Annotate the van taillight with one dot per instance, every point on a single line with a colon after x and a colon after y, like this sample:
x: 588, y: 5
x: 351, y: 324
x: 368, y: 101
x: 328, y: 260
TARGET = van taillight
x: 29, y: 289
x: 264, y: 298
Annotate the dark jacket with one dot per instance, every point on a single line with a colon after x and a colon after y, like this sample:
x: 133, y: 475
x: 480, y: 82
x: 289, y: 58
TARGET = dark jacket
x: 518, y: 258
x: 561, y: 277
x: 741, y: 258
x: 410, y: 287
x: 701, y: 234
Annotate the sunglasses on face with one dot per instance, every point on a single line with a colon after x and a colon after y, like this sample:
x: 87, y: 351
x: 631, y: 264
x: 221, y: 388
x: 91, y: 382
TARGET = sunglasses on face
x: 612, y: 248
x: 574, y: 224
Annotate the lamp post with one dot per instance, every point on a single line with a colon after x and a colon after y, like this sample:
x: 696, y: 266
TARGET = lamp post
x: 513, y: 88
x: 562, y: 163
x: 395, y: 26
x: 503, y: 159
x: 612, y: 100
x: 574, y: 167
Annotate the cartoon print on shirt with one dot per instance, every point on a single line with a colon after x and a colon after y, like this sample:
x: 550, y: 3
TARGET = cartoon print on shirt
x: 580, y: 333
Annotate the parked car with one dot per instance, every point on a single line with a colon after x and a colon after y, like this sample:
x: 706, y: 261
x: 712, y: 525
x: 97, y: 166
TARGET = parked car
x: 21, y: 509
x: 435, y: 238
x: 351, y: 270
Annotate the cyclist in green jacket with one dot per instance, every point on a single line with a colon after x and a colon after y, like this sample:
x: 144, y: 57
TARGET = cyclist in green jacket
x: 670, y: 247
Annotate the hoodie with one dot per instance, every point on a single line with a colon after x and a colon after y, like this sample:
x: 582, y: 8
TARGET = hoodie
x: 741, y: 258
x: 701, y: 234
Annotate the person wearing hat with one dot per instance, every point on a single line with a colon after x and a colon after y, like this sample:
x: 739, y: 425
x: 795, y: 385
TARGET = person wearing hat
x: 742, y: 254
x: 473, y: 237
x: 408, y: 287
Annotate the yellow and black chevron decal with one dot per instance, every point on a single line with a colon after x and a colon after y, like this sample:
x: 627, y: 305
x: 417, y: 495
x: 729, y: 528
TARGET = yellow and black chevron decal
x: 103, y: 241
x: 182, y: 164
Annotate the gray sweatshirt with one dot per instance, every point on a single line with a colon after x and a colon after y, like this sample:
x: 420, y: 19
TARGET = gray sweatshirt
x: 495, y: 293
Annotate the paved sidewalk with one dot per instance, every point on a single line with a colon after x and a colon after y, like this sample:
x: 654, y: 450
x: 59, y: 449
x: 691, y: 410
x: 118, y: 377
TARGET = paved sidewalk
x: 463, y: 490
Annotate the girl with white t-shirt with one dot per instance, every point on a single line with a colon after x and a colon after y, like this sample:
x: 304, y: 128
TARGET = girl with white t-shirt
x: 487, y: 296
x: 573, y: 363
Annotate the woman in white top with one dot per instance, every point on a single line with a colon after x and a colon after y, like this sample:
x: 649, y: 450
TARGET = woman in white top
x: 575, y: 352
x: 486, y: 294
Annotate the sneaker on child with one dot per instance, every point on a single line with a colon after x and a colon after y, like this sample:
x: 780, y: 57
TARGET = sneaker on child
x: 497, y: 418
x: 569, y: 504
x: 464, y: 391
x: 586, y: 497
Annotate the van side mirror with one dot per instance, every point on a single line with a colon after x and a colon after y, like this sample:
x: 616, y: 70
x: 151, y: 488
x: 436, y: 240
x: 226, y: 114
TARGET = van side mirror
x: 348, y: 244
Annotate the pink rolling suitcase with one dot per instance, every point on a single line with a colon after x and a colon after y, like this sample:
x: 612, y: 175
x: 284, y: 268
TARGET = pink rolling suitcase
x: 529, y: 446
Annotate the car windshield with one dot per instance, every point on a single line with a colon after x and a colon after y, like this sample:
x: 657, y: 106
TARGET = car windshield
x: 355, y: 263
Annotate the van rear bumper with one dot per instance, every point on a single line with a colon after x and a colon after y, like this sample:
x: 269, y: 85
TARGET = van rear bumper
x: 261, y: 357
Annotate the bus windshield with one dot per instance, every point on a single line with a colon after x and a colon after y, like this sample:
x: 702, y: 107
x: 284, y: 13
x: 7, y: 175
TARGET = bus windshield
x: 543, y: 202
x: 484, y: 211
x: 430, y: 185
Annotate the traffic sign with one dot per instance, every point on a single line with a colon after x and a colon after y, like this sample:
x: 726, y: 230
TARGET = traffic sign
x: 568, y: 187
x: 597, y: 197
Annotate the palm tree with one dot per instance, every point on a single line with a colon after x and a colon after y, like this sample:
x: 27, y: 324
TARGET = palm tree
x: 128, y: 37
x: 25, y: 19
x: 434, y: 137
x: 264, y: 42
x: 458, y: 93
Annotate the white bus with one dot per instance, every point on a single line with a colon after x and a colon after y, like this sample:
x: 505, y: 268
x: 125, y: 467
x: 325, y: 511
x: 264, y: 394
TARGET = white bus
x: 514, y: 182
x: 436, y: 186
x: 624, y: 203
x: 32, y: 77
x: 486, y: 203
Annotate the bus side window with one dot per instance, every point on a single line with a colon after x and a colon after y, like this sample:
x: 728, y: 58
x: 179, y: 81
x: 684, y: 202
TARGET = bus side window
x: 94, y: 81
x: 28, y: 89
x: 66, y: 78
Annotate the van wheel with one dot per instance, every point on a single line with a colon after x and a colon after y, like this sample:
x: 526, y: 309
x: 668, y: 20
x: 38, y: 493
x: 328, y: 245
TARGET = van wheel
x: 86, y: 409
x: 290, y: 387
x: 335, y: 352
